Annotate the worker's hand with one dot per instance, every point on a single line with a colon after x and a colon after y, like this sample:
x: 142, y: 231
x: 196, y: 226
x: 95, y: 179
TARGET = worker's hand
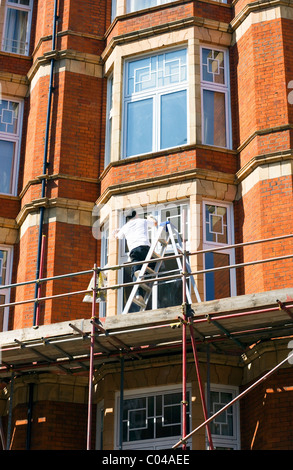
x: 151, y: 217
x: 115, y: 232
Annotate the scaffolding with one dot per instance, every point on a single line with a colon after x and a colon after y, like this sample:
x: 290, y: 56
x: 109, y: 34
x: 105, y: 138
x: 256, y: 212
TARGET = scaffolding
x: 80, y: 345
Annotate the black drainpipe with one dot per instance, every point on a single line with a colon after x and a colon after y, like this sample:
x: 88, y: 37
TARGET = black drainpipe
x: 45, y: 161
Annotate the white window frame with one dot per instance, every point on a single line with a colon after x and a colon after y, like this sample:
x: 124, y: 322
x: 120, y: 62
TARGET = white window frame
x: 109, y: 121
x: 156, y: 211
x: 26, y: 8
x: 6, y: 291
x: 230, y: 240
x: 157, y: 443
x: 16, y: 139
x: 221, y: 441
x: 155, y: 94
x: 221, y: 88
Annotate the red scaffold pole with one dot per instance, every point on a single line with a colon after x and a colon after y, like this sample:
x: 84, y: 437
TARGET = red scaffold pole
x: 200, y: 386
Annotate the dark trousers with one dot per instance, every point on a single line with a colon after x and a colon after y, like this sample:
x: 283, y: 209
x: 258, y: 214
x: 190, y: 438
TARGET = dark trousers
x: 139, y: 254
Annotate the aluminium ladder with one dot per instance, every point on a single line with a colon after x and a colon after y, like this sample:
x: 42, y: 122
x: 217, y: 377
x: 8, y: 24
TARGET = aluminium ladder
x: 166, y: 234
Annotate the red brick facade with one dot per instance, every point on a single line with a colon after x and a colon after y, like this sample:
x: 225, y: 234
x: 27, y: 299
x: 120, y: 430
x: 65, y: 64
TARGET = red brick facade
x: 261, y: 67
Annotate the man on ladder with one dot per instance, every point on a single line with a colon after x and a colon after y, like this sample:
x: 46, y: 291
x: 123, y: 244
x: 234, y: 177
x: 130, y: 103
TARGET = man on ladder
x: 136, y: 233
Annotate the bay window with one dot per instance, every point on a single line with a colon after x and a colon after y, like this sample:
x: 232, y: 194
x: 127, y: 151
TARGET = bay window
x: 17, y: 26
x: 9, y: 145
x: 215, y: 97
x: 155, y: 103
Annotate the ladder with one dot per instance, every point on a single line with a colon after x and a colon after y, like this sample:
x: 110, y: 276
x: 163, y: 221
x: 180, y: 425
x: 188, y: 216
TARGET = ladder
x: 166, y: 234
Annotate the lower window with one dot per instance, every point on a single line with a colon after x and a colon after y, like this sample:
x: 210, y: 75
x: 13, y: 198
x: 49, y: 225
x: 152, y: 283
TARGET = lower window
x: 225, y: 427
x: 152, y: 420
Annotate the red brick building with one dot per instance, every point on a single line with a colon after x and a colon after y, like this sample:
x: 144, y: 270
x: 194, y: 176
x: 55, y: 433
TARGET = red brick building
x: 182, y: 110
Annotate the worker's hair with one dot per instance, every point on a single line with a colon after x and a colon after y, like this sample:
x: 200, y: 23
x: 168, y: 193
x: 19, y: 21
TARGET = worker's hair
x: 130, y: 215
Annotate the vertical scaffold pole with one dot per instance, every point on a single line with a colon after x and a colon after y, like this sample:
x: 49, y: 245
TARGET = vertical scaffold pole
x: 184, y: 352
x: 121, y: 403
x: 10, y: 412
x: 91, y: 371
x: 200, y: 386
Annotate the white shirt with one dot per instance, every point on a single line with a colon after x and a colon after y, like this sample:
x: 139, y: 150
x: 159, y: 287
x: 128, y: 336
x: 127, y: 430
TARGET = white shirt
x: 136, y: 232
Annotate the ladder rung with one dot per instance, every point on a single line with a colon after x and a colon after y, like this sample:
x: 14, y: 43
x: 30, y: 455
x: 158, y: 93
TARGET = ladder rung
x: 163, y: 241
x: 150, y: 270
x: 146, y: 287
x: 139, y: 303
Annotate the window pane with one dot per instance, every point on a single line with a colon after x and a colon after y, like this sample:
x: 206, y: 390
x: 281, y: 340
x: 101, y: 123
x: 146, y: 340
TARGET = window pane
x: 16, y: 30
x: 9, y: 116
x: 139, y: 127
x: 175, y: 69
x: 223, y: 424
x: 217, y: 283
x: 20, y: 2
x: 214, y: 118
x: 113, y: 9
x: 134, y: 5
x: 213, y: 66
x: 137, y: 419
x: 140, y: 77
x: 216, y: 224
x: 173, y: 119
x: 169, y: 292
x: 158, y: 71
x: 6, y: 166
x: 3, y: 267
x: 109, y: 121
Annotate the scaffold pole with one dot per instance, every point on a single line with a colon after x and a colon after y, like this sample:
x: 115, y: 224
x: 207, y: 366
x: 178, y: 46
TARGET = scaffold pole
x: 91, y: 371
x: 232, y: 402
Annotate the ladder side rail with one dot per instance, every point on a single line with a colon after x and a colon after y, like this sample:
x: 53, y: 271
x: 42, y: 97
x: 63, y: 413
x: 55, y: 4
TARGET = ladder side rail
x: 161, y: 254
x: 174, y: 245
x: 188, y: 267
x: 143, y: 270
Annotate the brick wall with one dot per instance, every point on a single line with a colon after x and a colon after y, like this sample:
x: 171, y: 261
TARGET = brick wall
x: 266, y: 414
x: 53, y: 427
x: 269, y: 203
